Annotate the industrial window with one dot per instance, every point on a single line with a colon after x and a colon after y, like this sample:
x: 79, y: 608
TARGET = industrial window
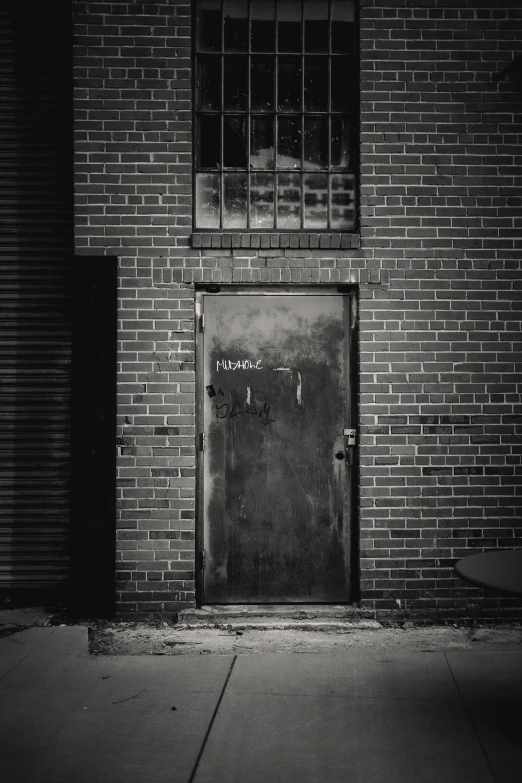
x: 276, y: 115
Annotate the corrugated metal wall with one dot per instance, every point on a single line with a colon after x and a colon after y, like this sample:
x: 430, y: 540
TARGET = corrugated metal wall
x: 35, y: 297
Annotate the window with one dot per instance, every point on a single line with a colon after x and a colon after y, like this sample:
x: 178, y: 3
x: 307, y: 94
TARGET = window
x: 276, y: 115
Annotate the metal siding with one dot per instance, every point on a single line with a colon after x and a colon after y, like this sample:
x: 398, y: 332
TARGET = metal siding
x: 35, y: 294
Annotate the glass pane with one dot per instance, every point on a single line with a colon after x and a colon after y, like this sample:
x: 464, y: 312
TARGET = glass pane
x: 343, y: 27
x: 235, y: 201
x: 262, y: 201
x: 208, y: 26
x: 209, y: 147
x: 342, y: 201
x: 289, y: 84
x: 316, y: 26
x: 316, y: 84
x: 209, y: 83
x: 235, y: 14
x: 289, y: 143
x: 262, y: 143
x: 340, y: 142
x: 207, y: 200
x: 235, y: 142
x: 342, y: 82
x: 289, y: 200
x: 289, y: 25
x: 236, y: 83
x: 316, y: 201
x: 262, y: 84
x: 315, y: 142
x: 263, y: 26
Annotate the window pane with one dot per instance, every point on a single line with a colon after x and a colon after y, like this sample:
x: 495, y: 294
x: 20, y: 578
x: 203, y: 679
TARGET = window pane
x: 236, y: 25
x: 340, y: 142
x: 235, y: 201
x: 315, y: 142
x: 289, y: 143
x: 235, y: 142
x: 209, y: 26
x: 262, y: 201
x: 207, y: 200
x: 209, y: 137
x: 342, y: 82
x: 263, y: 26
x: 316, y: 26
x: 262, y: 84
x: 342, y: 201
x: 209, y: 83
x: 289, y: 84
x: 316, y: 84
x: 262, y: 143
x: 288, y: 201
x: 289, y: 25
x: 236, y: 83
x: 316, y: 201
x: 343, y: 27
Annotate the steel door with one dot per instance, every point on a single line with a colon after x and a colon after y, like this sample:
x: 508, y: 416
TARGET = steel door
x: 275, y: 460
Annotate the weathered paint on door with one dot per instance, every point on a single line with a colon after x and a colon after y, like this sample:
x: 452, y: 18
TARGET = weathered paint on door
x: 276, y: 522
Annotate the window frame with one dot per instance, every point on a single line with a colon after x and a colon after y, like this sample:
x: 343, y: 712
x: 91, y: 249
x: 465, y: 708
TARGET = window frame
x: 353, y: 112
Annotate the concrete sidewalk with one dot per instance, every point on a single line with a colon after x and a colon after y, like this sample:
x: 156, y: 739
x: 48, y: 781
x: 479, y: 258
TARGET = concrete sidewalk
x: 357, y: 717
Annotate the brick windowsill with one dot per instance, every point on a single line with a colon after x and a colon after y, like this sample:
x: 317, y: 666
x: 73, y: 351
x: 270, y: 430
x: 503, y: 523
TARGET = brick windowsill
x: 250, y: 240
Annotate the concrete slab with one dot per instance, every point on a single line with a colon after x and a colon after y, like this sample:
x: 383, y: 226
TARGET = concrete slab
x: 203, y: 674
x: 385, y: 675
x: 306, y: 739
x: 16, y: 647
x: 491, y: 686
x: 60, y: 736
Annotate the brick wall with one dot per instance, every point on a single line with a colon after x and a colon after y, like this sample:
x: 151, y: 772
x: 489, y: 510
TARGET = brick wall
x: 438, y: 270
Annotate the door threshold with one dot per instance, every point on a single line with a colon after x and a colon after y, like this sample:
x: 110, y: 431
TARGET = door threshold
x: 276, y: 615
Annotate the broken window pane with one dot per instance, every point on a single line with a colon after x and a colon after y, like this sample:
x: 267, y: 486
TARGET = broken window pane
x: 343, y: 27
x: 209, y: 83
x: 315, y: 84
x: 207, y: 200
x: 342, y: 81
x: 289, y: 25
x: 235, y: 142
x: 236, y: 25
x: 263, y: 26
x: 209, y: 26
x: 316, y: 201
x: 209, y: 141
x: 235, y: 201
x: 262, y: 143
x: 289, y: 201
x: 236, y: 83
x: 289, y: 143
x: 262, y: 84
x: 316, y: 26
x: 340, y: 142
x: 315, y: 142
x: 342, y: 201
x: 289, y: 84
x: 262, y: 201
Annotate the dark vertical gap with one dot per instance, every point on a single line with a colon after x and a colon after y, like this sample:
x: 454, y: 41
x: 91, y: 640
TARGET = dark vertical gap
x: 94, y: 432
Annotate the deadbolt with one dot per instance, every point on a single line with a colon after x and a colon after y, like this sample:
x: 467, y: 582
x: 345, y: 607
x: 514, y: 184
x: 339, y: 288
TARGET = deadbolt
x: 339, y: 455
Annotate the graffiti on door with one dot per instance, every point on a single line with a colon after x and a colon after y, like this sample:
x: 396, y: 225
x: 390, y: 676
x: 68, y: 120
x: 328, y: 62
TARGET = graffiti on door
x: 231, y: 402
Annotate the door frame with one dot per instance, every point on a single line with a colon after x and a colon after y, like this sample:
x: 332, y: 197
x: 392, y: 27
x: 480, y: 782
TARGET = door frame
x: 351, y: 380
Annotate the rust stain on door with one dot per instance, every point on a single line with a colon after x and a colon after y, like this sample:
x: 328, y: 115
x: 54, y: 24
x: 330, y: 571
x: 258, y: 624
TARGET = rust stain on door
x: 276, y: 526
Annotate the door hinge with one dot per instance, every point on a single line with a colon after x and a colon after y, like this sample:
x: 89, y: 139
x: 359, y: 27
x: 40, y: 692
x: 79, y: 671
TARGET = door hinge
x: 202, y: 322
x: 202, y: 441
x: 201, y: 559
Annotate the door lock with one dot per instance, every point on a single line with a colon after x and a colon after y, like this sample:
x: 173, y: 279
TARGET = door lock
x: 351, y: 437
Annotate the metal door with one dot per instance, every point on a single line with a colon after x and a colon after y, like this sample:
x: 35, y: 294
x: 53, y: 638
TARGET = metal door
x: 276, y: 460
